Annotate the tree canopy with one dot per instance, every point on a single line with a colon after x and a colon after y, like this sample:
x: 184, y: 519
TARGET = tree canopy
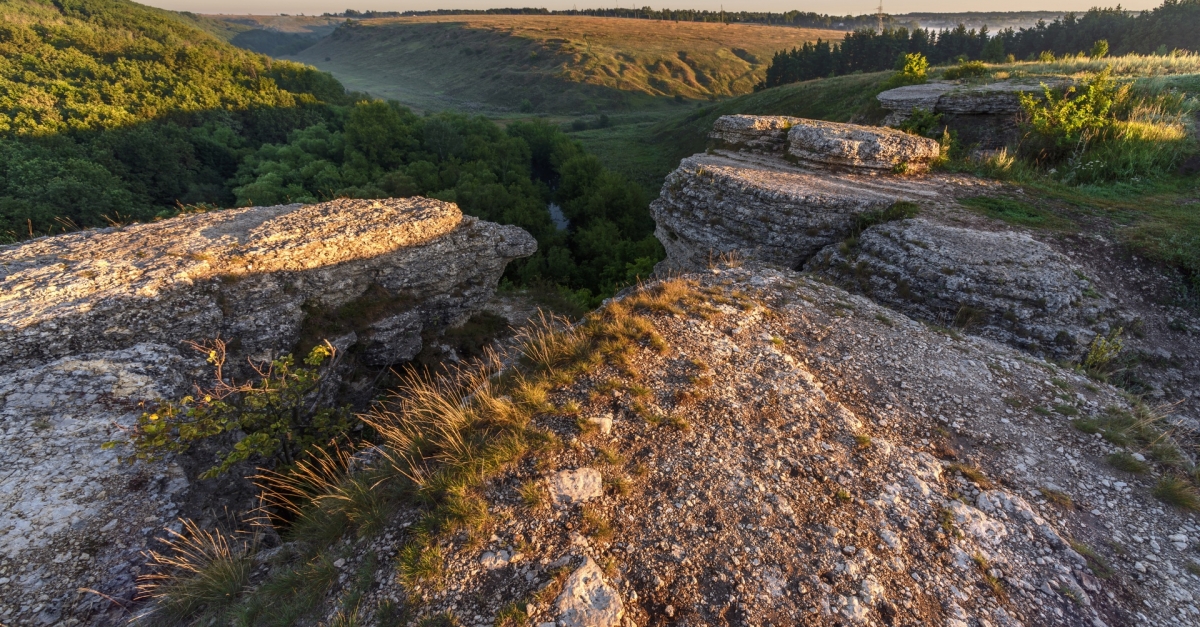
x: 111, y: 112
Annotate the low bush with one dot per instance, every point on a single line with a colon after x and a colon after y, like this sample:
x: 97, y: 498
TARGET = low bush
x: 966, y: 69
x: 279, y: 416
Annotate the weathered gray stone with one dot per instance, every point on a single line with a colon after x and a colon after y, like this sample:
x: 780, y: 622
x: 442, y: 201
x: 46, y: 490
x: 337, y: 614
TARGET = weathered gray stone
x: 568, y: 487
x: 752, y: 133
x: 982, y: 115
x: 1005, y: 285
x: 90, y: 329
x: 859, y: 147
x: 253, y: 275
x: 587, y: 600
x: 764, y: 208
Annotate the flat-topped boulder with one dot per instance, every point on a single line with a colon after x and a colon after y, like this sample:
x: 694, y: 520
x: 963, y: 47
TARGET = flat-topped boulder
x: 766, y: 208
x: 824, y: 144
x: 752, y: 133
x: 859, y: 147
x: 1003, y: 285
x: 91, y: 327
x: 253, y: 275
x: 982, y: 114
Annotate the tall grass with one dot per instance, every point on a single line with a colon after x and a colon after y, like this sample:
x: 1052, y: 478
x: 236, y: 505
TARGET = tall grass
x: 1132, y: 65
x: 198, y: 577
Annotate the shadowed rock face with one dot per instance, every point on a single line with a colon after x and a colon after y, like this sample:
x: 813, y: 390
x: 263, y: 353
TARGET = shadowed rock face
x: 91, y: 325
x: 764, y: 208
x: 1004, y: 285
x: 982, y: 115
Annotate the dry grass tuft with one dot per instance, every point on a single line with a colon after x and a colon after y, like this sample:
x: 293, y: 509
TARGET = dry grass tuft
x: 200, y: 575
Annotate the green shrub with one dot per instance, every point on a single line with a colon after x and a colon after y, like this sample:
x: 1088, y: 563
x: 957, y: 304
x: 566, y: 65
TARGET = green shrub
x: 1102, y: 353
x: 1065, y: 120
x: 913, y: 69
x: 1100, y: 49
x: 966, y: 69
x: 924, y: 123
x: 279, y: 414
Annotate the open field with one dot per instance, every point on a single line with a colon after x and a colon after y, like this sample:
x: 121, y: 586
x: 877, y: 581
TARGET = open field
x: 558, y: 64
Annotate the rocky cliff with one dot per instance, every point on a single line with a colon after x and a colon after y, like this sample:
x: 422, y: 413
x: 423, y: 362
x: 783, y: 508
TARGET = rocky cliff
x: 838, y: 217
x: 91, y: 326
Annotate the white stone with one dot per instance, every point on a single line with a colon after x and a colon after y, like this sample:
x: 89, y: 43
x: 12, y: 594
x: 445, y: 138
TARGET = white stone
x: 568, y: 487
x: 587, y: 600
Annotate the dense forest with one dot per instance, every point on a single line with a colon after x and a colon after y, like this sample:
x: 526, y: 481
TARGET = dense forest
x: 1172, y: 26
x: 113, y: 112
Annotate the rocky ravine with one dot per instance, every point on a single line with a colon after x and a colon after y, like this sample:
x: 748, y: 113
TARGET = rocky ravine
x: 806, y: 467
x: 91, y: 326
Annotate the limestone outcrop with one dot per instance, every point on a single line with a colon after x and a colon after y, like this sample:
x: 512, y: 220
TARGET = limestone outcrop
x: 824, y: 144
x: 983, y: 115
x: 253, y: 276
x: 756, y: 204
x: 823, y: 214
x: 800, y: 455
x: 1005, y: 285
x: 859, y: 147
x: 91, y: 325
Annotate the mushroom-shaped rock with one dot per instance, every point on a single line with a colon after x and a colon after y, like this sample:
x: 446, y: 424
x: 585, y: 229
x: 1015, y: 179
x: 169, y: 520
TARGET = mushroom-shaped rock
x: 587, y: 600
x: 568, y: 487
x: 858, y: 147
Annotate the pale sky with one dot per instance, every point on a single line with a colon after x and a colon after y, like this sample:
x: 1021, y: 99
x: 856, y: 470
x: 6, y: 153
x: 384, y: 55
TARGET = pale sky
x: 835, y: 7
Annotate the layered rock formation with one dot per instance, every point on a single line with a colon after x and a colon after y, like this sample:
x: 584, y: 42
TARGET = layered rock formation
x: 1004, y: 285
x: 982, y: 115
x: 756, y: 204
x: 91, y: 326
x: 822, y: 214
x: 253, y: 276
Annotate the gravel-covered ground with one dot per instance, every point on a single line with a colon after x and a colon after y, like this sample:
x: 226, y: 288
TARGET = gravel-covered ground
x: 799, y: 455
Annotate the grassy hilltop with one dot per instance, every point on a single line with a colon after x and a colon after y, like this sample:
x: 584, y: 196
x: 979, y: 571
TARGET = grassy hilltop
x: 558, y: 64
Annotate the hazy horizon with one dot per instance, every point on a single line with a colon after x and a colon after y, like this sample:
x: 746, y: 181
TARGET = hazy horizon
x: 317, y: 7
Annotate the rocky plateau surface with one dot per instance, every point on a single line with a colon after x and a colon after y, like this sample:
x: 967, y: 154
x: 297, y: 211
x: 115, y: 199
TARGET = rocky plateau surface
x: 983, y: 115
x: 92, y: 326
x: 817, y: 459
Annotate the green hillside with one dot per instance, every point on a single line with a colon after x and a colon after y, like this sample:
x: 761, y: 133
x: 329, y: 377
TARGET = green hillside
x: 556, y: 64
x: 100, y: 64
x: 112, y: 112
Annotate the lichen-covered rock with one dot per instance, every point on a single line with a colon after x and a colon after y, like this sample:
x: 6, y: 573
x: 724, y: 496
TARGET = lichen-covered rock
x: 253, y: 275
x: 902, y: 100
x: 859, y: 147
x: 90, y: 330
x: 66, y: 505
x: 765, y: 208
x: 587, y: 600
x: 1005, y: 285
x: 752, y: 133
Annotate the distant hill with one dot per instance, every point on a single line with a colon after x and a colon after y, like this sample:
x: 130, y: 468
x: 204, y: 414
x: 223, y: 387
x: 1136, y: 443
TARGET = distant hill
x: 555, y: 63
x: 275, y: 35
